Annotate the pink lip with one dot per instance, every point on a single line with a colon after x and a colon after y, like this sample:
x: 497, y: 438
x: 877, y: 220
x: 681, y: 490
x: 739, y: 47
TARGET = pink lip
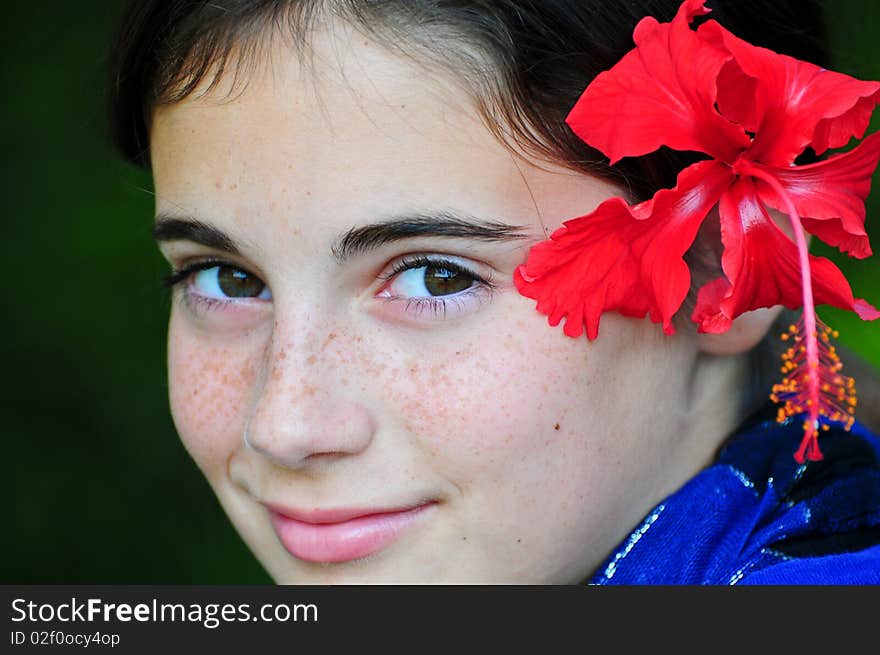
x: 340, y: 535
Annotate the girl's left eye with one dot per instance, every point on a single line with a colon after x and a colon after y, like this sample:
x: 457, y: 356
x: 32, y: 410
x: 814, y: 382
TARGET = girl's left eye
x: 434, y: 284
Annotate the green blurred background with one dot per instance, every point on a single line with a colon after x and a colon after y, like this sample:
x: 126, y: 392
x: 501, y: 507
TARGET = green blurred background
x: 98, y: 487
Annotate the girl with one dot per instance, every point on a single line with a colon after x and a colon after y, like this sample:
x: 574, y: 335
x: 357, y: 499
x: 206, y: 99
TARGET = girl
x: 364, y: 202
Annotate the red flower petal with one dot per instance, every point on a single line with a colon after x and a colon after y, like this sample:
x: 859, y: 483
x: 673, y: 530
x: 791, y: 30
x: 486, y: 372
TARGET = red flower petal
x: 831, y: 195
x: 623, y: 258
x: 836, y: 132
x: 762, y: 269
x: 660, y: 93
x: 787, y: 103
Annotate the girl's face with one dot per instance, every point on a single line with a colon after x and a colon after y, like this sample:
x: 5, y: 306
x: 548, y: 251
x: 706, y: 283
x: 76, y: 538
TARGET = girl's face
x: 350, y: 364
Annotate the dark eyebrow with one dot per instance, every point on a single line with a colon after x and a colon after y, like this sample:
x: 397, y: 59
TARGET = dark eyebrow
x: 358, y: 240
x: 363, y: 239
x: 172, y: 228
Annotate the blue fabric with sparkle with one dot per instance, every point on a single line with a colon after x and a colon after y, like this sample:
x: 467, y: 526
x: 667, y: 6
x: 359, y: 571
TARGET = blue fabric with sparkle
x: 758, y: 517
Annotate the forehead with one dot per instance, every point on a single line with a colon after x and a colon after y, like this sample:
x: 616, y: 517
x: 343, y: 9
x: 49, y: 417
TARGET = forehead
x: 350, y: 134
x: 351, y: 112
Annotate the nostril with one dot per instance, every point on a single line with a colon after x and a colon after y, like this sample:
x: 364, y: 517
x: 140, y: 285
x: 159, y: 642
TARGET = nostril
x: 325, y: 457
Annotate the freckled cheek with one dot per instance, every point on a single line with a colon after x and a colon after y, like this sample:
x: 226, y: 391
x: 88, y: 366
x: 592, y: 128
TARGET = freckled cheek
x: 209, y: 385
x: 491, y: 403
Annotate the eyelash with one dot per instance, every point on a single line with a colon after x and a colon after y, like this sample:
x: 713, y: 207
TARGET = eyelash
x: 417, y: 306
x: 176, y: 277
x: 195, y: 300
x: 439, y: 304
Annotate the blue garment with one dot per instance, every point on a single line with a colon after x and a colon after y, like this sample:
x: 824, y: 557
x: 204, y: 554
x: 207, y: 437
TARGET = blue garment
x: 758, y: 517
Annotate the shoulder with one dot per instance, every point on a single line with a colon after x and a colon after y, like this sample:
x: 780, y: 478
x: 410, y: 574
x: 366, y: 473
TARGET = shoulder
x: 758, y: 517
x: 823, y: 519
x: 859, y: 567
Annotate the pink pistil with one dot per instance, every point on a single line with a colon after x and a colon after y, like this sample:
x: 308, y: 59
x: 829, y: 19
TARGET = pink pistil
x: 809, y: 448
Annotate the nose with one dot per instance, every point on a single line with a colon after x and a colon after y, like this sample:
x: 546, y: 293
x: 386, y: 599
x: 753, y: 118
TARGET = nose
x: 300, y: 416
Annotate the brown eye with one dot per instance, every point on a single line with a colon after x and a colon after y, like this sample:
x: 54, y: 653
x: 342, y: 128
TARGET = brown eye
x: 236, y: 283
x: 442, y: 281
x: 223, y: 282
x: 438, y: 286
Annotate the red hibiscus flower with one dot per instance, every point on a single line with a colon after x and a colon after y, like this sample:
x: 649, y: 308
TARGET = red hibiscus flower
x: 752, y: 112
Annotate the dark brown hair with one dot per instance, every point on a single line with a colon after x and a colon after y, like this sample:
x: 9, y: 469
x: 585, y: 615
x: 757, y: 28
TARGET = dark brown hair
x: 525, y: 61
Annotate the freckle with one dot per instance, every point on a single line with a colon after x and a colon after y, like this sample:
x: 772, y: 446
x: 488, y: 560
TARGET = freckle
x: 556, y: 427
x: 217, y: 184
x: 276, y: 372
x: 282, y: 355
x: 311, y: 360
x: 464, y: 538
x: 330, y: 338
x: 308, y: 193
x: 457, y: 352
x: 309, y: 390
x: 233, y: 187
x: 519, y: 541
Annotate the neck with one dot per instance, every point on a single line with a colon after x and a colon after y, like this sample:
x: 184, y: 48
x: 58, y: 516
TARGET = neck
x: 714, y: 409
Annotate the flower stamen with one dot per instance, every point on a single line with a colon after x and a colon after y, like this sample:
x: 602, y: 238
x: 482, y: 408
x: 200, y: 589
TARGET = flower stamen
x: 836, y: 397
